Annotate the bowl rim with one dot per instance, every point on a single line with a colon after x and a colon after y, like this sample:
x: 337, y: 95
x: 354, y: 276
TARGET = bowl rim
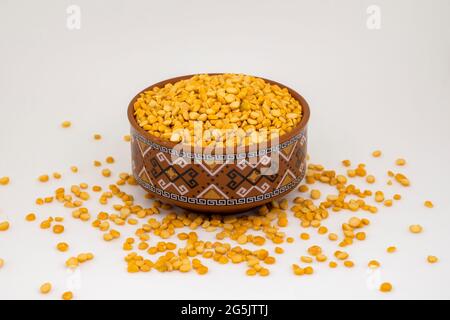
x: 169, y: 144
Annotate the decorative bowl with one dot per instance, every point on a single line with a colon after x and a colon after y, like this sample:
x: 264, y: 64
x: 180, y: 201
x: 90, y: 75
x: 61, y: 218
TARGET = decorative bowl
x: 217, y: 183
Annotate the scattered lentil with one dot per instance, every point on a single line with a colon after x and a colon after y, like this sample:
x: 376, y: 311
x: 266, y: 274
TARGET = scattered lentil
x: 386, y: 287
x: 415, y: 228
x: 391, y: 249
x: 374, y: 264
x: 62, y: 246
x: 58, y: 228
x: 376, y: 153
x: 106, y: 173
x: 4, y: 226
x: 44, y: 178
x: 127, y: 138
x: 110, y: 160
x: 30, y: 217
x: 428, y: 204
x: 68, y: 295
x: 45, y: 288
x: 370, y: 179
x: 4, y: 181
x: 315, y: 194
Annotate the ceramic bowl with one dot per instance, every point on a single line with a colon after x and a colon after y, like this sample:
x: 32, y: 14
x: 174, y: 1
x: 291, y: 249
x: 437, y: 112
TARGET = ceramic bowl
x: 213, y: 183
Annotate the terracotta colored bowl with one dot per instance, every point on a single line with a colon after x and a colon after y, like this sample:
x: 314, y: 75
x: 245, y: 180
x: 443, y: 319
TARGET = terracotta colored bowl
x: 211, y: 185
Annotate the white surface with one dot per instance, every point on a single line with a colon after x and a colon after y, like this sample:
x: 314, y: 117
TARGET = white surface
x: 368, y: 89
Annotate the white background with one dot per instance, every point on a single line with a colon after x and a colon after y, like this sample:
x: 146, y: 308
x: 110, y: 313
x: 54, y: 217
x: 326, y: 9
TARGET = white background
x: 382, y: 89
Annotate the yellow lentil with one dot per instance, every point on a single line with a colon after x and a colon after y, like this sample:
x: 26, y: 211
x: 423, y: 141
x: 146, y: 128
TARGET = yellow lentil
x: 303, y: 188
x: 432, y: 259
x: 72, y: 262
x: 428, y: 204
x: 62, y: 246
x: 67, y: 295
x: 4, y: 226
x: 314, y: 250
x: 321, y: 258
x: 46, y: 224
x: 402, y: 179
x: 66, y: 124
x: 251, y: 272
x: 315, y: 194
x: 30, y: 217
x: 97, y: 136
x: 360, y: 236
x: 97, y: 163
x: 376, y: 153
x: 264, y: 272
x: 106, y: 173
x: 388, y: 203
x: 279, y: 250
x: 400, y: 162
x: 304, y: 236
x: 110, y: 160
x: 374, y: 264
x: 218, y: 102
x: 127, y: 138
x: 322, y: 230
x: 351, y: 173
x: 2, y: 263
x: 370, y: 179
x: 333, y: 264
x: 341, y: 255
x: 349, y: 264
x: 4, y: 181
x: 415, y: 228
x: 309, y: 270
x: 306, y: 259
x: 297, y: 270
x: 57, y: 175
x: 44, y: 178
x: 74, y: 169
x: 45, y: 288
x: 354, y: 222
x: 58, y: 228
x: 386, y: 287
x: 202, y: 270
x: 379, y: 196
x: 346, y: 163
x: 391, y: 249
x: 332, y: 236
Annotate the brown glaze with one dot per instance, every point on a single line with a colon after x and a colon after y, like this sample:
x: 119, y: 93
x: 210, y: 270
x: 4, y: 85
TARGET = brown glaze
x: 220, y: 187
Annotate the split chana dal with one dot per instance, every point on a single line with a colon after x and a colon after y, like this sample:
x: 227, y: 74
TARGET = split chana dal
x: 232, y: 109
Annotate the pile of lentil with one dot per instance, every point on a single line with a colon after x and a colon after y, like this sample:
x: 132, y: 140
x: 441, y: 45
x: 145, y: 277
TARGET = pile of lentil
x: 233, y: 109
x: 167, y: 240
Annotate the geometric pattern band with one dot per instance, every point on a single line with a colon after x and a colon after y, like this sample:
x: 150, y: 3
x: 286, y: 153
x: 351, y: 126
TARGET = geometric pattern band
x: 221, y: 202
x: 218, y: 180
